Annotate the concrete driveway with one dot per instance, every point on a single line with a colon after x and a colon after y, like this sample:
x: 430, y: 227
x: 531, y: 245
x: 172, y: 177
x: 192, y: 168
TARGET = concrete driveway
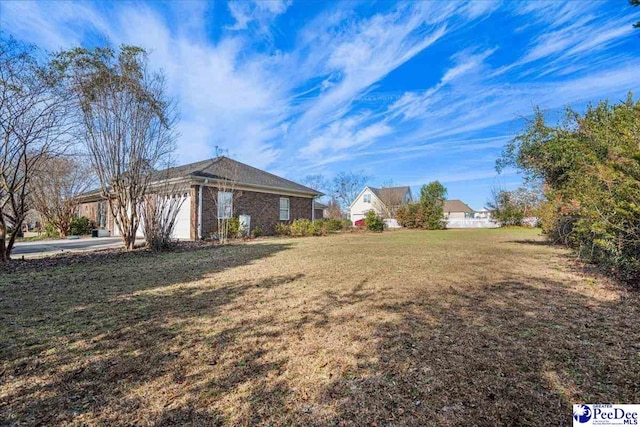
x: 52, y: 247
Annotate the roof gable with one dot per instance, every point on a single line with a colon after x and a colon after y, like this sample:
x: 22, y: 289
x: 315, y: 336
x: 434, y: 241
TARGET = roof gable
x: 388, y: 193
x: 456, y: 205
x: 391, y: 193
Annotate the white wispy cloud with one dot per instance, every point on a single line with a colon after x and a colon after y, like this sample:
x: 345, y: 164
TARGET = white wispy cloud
x: 256, y: 16
x: 302, y: 108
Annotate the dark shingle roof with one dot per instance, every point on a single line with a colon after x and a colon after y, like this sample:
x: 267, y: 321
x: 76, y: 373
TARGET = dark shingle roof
x: 390, y: 193
x: 228, y: 169
x: 456, y: 205
x: 318, y: 205
x: 224, y: 168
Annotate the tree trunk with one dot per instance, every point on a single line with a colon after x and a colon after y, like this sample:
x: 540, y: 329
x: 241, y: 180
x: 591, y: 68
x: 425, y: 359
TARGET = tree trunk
x: 4, y: 256
x: 3, y: 237
x: 6, y: 246
x: 130, y: 241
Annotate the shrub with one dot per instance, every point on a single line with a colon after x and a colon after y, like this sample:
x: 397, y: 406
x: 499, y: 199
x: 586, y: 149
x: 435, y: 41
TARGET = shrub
x: 81, y: 226
x: 158, y: 214
x: 283, y: 229
x: 373, y: 222
x: 305, y: 227
x: 411, y: 216
x: 50, y: 231
x: 417, y: 215
x: 320, y: 227
x: 233, y: 228
x: 346, y: 224
x: 333, y: 224
x: 589, y: 165
x: 257, y: 232
x: 301, y: 228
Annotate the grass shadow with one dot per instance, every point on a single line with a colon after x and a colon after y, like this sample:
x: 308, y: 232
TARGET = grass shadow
x: 512, y: 353
x: 77, y: 356
x: 533, y: 242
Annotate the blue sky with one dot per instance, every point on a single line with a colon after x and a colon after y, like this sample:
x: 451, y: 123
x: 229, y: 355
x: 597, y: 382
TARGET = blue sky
x: 409, y: 92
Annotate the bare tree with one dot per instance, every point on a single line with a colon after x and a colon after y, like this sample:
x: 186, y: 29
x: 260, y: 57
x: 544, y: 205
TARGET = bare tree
x: 346, y: 186
x: 316, y: 182
x: 333, y: 210
x: 224, y: 196
x: 56, y: 188
x: 127, y: 125
x: 390, y: 199
x: 35, y: 125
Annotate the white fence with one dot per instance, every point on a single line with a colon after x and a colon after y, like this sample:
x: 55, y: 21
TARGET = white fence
x: 472, y: 223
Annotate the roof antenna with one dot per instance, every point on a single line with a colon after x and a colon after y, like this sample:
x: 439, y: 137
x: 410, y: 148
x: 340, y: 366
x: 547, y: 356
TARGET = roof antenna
x: 220, y: 151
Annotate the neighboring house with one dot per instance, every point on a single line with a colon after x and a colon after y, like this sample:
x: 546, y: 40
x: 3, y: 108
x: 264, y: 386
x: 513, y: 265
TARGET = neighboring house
x: 268, y: 199
x: 383, y: 201
x: 483, y: 214
x: 320, y: 210
x: 457, y: 209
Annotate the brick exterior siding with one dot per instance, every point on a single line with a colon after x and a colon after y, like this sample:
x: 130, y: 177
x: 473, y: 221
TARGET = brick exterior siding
x: 264, y: 209
x: 90, y: 210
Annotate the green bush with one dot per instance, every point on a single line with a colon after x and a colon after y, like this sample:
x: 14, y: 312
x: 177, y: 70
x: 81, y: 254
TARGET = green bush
x: 373, y: 222
x: 80, y: 226
x: 589, y: 165
x: 233, y: 228
x: 301, y: 228
x: 346, y: 224
x: 305, y: 227
x: 283, y: 229
x: 50, y: 231
x: 333, y: 224
x: 417, y: 215
x: 257, y: 232
x: 320, y: 227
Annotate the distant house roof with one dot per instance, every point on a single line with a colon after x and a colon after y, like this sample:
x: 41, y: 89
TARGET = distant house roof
x: 224, y: 168
x: 386, y: 194
x: 318, y: 205
x: 390, y: 193
x: 456, y: 205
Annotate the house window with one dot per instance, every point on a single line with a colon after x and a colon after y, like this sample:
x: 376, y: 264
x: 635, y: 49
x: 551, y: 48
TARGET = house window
x: 367, y: 198
x: 225, y: 204
x: 284, y: 209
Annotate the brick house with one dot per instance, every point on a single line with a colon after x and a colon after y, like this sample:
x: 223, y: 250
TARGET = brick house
x: 266, y: 198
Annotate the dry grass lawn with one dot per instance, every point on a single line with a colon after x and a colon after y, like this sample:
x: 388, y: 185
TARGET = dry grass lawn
x: 467, y: 327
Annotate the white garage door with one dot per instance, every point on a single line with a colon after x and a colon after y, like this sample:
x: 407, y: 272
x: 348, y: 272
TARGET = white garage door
x: 139, y: 232
x: 182, y: 229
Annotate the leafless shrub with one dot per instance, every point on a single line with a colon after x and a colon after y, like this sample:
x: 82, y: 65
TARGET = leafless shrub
x: 159, y: 211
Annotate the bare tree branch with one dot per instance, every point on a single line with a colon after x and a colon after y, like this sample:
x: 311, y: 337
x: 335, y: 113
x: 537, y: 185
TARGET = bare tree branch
x: 36, y: 125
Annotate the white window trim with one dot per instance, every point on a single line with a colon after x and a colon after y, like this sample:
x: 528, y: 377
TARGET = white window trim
x: 227, y: 212
x: 288, y: 211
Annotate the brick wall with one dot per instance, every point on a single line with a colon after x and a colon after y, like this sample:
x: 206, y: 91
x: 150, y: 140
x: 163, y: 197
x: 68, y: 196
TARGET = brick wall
x: 264, y: 209
x: 90, y: 210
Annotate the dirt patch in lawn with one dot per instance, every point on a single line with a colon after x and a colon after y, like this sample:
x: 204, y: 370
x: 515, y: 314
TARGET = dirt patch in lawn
x: 398, y: 328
